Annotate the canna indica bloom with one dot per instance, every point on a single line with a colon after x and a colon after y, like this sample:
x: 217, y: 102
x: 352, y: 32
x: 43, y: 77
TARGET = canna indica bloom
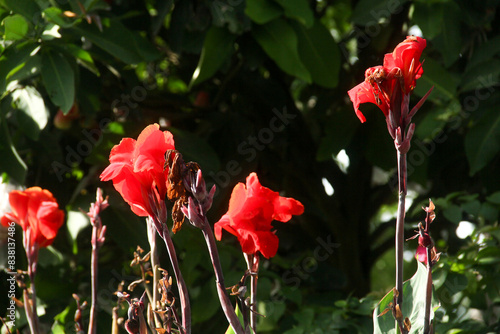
x: 37, y: 212
x: 252, y: 208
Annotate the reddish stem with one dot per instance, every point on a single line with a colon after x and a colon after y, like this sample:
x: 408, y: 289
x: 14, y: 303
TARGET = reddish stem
x: 225, y: 302
x: 183, y: 292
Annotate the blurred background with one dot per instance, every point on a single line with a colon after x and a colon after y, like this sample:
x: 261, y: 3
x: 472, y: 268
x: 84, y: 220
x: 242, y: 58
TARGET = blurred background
x: 260, y: 85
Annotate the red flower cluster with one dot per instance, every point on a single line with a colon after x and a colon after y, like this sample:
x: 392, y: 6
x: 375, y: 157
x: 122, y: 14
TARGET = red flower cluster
x: 36, y: 210
x: 386, y: 86
x: 252, y: 208
x: 137, y: 169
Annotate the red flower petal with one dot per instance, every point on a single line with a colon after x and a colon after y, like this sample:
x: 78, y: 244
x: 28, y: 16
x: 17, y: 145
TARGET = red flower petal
x: 252, y: 208
x: 364, y: 93
x: 137, y: 167
x: 37, y: 209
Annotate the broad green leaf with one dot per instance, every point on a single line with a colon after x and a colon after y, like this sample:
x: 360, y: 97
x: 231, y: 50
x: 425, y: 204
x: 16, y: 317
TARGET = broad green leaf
x: 15, y: 27
x: 450, y: 39
x: 12, y: 60
x: 59, y: 80
x: 371, y: 12
x: 445, y: 84
x: 82, y: 57
x: 32, y: 115
x: 482, y: 143
x: 482, y: 75
x: 427, y: 18
x: 298, y: 10
x: 122, y: 43
x: 217, y: 48
x: 262, y: 11
x: 319, y: 53
x: 28, y: 69
x: 10, y: 163
x: 413, y: 302
x: 494, y: 198
x: 279, y: 41
x: 28, y: 8
x: 55, y: 15
x: 484, y: 52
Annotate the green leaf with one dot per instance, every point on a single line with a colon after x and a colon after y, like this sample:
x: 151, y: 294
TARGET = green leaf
x: 482, y: 75
x: 370, y: 12
x: 494, y: 198
x: 262, y: 11
x: 59, y: 80
x: 217, y: 48
x: 279, y: 41
x: 10, y: 163
x: 484, y: 52
x: 240, y: 317
x: 12, y: 60
x: 16, y: 27
x: 55, y: 15
x: 298, y: 10
x: 28, y: 8
x: 32, y: 116
x: 82, y: 57
x: 319, y: 53
x: 413, y: 301
x: 445, y: 84
x: 482, y: 142
x: 450, y: 39
x: 122, y: 43
x: 427, y: 18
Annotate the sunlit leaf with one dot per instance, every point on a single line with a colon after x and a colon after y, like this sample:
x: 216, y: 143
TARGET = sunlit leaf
x: 413, y: 301
x: 16, y: 27
x: 32, y: 115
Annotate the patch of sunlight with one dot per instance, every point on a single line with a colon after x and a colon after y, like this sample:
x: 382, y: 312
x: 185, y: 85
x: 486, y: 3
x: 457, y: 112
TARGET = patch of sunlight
x: 328, y: 187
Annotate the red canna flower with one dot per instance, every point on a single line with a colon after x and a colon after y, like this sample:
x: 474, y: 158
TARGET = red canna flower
x: 37, y: 211
x: 389, y: 87
x: 385, y: 85
x: 252, y: 208
x: 137, y: 169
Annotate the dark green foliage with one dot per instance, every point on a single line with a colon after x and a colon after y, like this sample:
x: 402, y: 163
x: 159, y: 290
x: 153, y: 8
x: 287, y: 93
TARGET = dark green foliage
x: 261, y: 86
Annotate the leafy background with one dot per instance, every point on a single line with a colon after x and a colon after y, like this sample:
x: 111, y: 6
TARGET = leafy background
x: 260, y: 85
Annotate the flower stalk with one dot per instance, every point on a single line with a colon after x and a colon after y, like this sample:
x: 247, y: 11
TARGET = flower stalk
x: 181, y: 284
x: 30, y: 301
x: 98, y: 238
x: 253, y: 261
